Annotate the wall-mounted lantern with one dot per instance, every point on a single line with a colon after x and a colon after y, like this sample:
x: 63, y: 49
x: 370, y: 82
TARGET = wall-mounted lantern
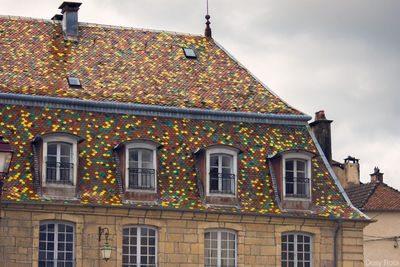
x: 106, y: 249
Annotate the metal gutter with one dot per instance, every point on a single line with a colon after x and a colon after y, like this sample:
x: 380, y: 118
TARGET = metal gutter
x: 184, y: 210
x: 332, y: 173
x: 151, y: 110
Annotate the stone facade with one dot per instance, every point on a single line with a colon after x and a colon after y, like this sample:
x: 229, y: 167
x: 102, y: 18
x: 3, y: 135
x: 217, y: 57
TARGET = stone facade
x: 180, y: 235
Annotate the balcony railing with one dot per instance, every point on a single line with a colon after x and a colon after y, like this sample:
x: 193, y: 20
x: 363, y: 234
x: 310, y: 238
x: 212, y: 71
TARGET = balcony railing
x: 297, y: 187
x: 59, y: 172
x: 222, y: 183
x: 140, y: 178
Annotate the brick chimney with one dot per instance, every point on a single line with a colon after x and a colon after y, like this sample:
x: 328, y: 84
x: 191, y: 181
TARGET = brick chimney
x: 377, y: 176
x: 321, y: 128
x: 70, y: 20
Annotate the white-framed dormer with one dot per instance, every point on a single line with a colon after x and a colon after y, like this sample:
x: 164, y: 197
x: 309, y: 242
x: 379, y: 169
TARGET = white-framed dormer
x: 141, y: 166
x: 221, y: 170
x: 59, y: 159
x: 296, y: 175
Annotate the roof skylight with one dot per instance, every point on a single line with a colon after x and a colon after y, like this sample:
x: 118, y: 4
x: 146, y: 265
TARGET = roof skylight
x: 189, y: 53
x: 74, y: 82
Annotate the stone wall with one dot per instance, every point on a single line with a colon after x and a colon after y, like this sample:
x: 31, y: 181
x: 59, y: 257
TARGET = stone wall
x: 180, y: 235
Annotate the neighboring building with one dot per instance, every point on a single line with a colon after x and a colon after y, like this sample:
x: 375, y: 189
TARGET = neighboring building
x: 376, y: 199
x: 166, y: 145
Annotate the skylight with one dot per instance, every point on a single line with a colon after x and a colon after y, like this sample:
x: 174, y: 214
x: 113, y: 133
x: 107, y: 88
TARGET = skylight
x: 189, y: 53
x: 74, y: 81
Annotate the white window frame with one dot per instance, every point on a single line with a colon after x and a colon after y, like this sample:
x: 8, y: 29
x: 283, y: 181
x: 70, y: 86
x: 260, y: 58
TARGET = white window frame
x: 219, y: 246
x: 61, y: 138
x: 295, y: 247
x: 227, y: 151
x: 307, y: 157
x: 141, y: 145
x: 56, y: 242
x: 139, y: 244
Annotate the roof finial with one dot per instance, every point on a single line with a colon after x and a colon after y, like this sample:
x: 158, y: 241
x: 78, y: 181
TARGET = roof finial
x: 207, y: 31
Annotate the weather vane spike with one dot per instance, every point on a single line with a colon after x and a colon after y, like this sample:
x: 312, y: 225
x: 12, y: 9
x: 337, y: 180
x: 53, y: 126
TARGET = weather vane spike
x: 207, y: 31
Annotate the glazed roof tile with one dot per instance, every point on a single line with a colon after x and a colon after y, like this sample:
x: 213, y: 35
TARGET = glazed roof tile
x: 128, y: 65
x: 177, y: 177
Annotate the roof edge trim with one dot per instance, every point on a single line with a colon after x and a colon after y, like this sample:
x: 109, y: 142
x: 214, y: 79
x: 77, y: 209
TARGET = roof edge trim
x: 332, y: 173
x: 151, y: 110
x: 289, y: 216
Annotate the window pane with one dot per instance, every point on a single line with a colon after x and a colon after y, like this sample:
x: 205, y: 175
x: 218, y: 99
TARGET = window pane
x: 301, y: 165
x: 133, y: 155
x: 147, y: 155
x: 289, y: 165
x: 65, y: 149
x: 51, y: 149
x: 226, y: 161
x: 214, y: 161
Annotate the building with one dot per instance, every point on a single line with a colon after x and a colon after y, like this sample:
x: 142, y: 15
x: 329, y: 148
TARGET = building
x: 376, y: 199
x: 162, y: 146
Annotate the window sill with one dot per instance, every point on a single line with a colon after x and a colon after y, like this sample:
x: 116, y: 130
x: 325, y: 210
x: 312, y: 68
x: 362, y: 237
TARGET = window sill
x: 222, y: 200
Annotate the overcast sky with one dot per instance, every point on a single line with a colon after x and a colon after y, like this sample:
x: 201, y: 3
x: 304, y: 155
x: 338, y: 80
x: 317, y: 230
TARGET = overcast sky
x: 339, y: 56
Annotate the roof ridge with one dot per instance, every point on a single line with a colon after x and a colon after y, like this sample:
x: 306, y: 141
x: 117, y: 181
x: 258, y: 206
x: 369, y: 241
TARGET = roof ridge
x: 105, y: 26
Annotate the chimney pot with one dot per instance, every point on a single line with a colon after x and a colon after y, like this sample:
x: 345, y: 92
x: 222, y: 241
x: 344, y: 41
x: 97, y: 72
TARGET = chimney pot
x: 377, y: 176
x: 70, y: 20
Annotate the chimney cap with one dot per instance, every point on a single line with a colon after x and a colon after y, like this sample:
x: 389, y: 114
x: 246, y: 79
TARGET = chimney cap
x: 350, y: 158
x: 57, y: 17
x: 69, y: 6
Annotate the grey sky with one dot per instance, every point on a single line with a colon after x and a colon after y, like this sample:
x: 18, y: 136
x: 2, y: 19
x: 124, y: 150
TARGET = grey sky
x: 339, y: 56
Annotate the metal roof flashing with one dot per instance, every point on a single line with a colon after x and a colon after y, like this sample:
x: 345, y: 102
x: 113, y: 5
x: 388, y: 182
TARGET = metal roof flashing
x: 151, y: 110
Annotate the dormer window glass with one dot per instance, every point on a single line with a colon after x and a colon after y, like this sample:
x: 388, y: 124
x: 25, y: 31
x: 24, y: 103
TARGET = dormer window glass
x: 222, y: 177
x: 141, y: 171
x: 221, y: 171
x: 59, y: 165
x: 74, y: 82
x: 297, y: 181
x: 189, y: 53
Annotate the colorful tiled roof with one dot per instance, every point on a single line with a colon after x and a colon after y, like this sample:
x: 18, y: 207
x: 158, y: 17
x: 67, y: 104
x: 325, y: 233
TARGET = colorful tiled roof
x: 374, y: 196
x: 128, y: 65
x: 177, y: 180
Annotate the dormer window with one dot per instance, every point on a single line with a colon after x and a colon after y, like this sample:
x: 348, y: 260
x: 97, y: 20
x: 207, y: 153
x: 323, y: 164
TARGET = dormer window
x: 57, y: 154
x: 74, y: 82
x: 138, y: 169
x: 189, y: 53
x: 217, y: 169
x: 292, y: 173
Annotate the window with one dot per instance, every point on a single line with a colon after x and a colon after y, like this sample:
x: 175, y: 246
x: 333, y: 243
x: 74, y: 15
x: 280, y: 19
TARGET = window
x: 139, y: 246
x: 189, y: 53
x: 296, y: 250
x: 74, y: 82
x: 222, y: 179
x: 296, y: 178
x: 141, y: 169
x: 220, y: 248
x: 297, y: 174
x: 59, y: 166
x: 60, y: 159
x: 141, y: 166
x: 56, y: 244
x: 221, y: 171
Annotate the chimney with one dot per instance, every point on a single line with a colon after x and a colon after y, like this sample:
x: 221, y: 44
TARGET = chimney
x: 70, y: 20
x: 352, y: 171
x: 321, y: 128
x: 377, y: 176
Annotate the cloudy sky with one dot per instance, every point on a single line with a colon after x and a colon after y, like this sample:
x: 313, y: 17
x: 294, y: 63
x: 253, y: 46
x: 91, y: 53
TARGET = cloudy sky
x: 339, y: 56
